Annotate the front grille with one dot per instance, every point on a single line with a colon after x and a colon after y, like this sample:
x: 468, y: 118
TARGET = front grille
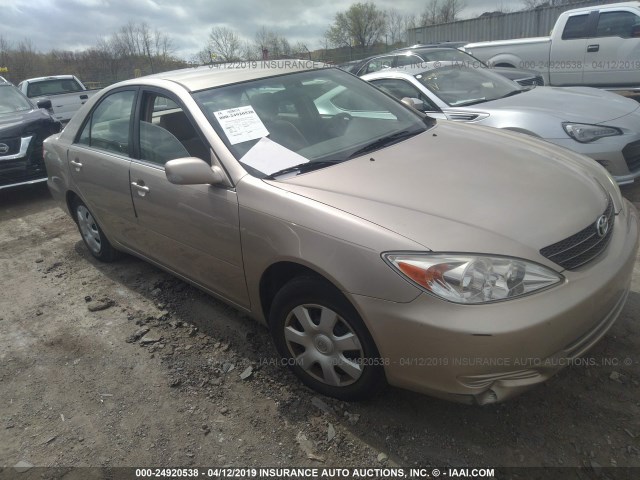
x: 632, y: 156
x: 13, y: 144
x: 531, y: 81
x: 584, y: 246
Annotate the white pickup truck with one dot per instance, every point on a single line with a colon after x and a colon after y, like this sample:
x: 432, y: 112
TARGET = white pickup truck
x: 595, y: 46
x: 66, y: 92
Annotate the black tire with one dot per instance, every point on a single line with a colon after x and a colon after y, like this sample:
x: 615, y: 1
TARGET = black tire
x: 91, y: 233
x: 327, y: 364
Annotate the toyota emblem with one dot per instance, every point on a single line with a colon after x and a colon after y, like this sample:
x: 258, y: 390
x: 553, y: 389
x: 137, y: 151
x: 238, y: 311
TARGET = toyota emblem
x: 4, y: 148
x: 602, y: 226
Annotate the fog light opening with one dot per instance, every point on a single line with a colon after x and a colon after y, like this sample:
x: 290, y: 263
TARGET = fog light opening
x: 487, y: 397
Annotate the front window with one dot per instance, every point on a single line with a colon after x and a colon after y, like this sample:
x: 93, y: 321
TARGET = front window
x: 461, y: 86
x: 323, y: 116
x: 166, y: 133
x: 11, y: 100
x: 617, y: 24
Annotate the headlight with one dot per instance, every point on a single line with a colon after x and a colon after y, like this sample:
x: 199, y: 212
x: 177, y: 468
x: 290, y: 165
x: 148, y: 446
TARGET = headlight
x: 472, y: 279
x: 584, y: 133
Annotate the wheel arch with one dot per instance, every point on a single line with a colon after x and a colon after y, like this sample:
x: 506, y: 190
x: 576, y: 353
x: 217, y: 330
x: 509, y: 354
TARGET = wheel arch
x: 280, y: 273
x: 70, y: 199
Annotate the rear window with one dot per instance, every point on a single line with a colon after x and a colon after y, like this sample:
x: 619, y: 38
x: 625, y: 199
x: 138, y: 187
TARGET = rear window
x: 52, y: 87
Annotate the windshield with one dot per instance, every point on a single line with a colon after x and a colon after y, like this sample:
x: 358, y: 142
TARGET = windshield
x: 11, y: 100
x: 322, y: 116
x: 458, y: 86
x: 449, y: 55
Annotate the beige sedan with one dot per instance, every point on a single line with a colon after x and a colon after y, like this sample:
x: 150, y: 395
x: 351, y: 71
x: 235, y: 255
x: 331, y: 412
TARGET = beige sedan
x: 382, y: 247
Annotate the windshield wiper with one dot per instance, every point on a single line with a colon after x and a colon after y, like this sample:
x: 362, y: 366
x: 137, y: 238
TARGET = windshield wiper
x: 384, y: 142
x: 303, y: 168
x: 512, y: 93
x: 467, y: 103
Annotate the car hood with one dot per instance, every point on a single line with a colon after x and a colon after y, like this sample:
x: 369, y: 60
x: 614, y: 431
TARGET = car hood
x: 466, y: 188
x: 585, y: 105
x: 16, y: 123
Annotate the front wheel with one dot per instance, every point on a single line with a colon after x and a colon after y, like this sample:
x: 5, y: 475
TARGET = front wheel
x: 92, y: 234
x: 324, y: 341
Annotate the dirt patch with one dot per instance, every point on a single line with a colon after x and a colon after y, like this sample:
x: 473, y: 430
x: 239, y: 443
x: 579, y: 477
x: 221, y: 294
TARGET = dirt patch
x: 125, y: 365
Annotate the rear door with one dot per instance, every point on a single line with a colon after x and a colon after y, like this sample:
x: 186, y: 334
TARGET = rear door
x: 99, y: 162
x: 192, y: 229
x: 613, y: 53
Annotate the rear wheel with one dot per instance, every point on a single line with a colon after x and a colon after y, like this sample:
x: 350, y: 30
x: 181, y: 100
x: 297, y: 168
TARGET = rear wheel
x: 324, y: 341
x: 92, y: 234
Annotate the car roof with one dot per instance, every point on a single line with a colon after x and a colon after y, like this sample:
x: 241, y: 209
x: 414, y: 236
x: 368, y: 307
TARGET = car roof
x: 50, y: 77
x: 432, y: 45
x: 204, y: 77
x: 409, y: 70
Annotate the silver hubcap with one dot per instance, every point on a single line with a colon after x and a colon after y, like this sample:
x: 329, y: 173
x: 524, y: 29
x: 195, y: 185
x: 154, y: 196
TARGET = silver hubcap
x: 324, y: 345
x: 89, y: 229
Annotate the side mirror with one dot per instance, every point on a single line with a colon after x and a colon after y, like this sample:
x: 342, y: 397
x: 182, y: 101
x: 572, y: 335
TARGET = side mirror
x: 46, y: 104
x: 193, y: 171
x: 415, y: 103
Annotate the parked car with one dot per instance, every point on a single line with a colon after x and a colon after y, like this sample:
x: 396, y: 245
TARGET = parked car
x: 600, y: 124
x: 597, y: 46
x: 23, y: 127
x: 66, y: 92
x: 417, y: 55
x: 376, y: 248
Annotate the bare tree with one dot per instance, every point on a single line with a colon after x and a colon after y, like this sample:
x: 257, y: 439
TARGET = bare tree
x: 442, y: 11
x: 450, y: 10
x: 275, y: 45
x: 502, y: 7
x: 532, y: 4
x: 362, y: 23
x: 146, y: 41
x: 431, y: 13
x: 164, y: 45
x: 396, y: 26
x: 225, y: 43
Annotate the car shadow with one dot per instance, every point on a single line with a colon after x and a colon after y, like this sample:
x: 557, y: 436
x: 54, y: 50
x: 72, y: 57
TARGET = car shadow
x: 19, y: 201
x: 554, y: 424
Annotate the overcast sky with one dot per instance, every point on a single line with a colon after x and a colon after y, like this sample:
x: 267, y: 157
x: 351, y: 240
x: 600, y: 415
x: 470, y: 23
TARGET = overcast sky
x: 77, y: 24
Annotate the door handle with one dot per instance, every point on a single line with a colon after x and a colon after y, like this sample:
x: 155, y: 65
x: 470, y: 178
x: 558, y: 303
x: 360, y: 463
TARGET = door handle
x: 84, y: 97
x: 140, y: 187
x: 593, y: 48
x: 76, y: 164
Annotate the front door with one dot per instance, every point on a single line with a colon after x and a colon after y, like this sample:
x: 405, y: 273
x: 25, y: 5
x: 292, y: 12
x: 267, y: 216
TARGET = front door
x: 192, y: 229
x: 613, y: 54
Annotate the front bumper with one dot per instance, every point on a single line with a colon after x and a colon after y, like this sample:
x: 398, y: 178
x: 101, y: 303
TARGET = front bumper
x: 619, y: 155
x: 23, y: 166
x: 488, y: 353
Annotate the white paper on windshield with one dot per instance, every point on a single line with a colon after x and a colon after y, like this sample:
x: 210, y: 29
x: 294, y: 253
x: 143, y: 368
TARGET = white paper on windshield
x: 270, y: 157
x: 241, y: 124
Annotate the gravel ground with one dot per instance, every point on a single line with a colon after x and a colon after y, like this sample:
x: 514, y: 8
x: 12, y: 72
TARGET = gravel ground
x: 125, y: 365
